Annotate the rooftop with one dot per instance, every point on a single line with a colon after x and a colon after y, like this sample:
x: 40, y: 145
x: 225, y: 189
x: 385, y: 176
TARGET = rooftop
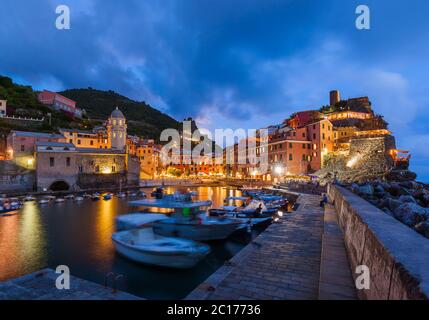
x: 54, y: 144
x: 37, y: 134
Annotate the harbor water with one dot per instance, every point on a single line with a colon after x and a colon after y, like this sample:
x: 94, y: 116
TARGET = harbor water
x: 78, y: 235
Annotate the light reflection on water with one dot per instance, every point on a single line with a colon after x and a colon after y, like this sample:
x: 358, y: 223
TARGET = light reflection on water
x: 78, y: 234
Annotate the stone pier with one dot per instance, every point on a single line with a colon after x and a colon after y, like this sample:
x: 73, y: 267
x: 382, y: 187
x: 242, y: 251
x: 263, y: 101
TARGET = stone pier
x: 284, y: 262
x: 40, y: 285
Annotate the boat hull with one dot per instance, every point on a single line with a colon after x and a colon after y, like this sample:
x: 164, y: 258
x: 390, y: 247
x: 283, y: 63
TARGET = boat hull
x: 195, y: 231
x: 175, y: 258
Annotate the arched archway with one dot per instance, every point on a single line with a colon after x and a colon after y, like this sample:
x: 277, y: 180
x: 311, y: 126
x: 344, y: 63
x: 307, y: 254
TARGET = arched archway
x: 59, y: 186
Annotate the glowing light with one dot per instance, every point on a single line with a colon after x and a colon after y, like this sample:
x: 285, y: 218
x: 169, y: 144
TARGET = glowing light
x: 30, y: 162
x: 352, y: 162
x: 107, y: 171
x: 280, y: 213
x: 278, y: 169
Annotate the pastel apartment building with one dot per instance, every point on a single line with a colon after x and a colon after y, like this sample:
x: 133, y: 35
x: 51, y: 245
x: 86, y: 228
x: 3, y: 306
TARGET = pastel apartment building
x: 21, y: 146
x: 3, y: 104
x: 60, y: 103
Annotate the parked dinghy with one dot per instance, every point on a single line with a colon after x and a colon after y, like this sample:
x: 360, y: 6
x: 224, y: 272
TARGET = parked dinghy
x: 142, y: 245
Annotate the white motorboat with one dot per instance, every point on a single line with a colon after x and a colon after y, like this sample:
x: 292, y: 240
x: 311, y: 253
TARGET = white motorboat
x: 203, y: 229
x: 78, y: 199
x: 69, y: 197
x: 59, y: 200
x: 121, y: 195
x: 95, y: 197
x: 187, y: 221
x: 137, y: 220
x: 43, y: 201
x: 50, y: 198
x: 29, y: 199
x: 144, y: 246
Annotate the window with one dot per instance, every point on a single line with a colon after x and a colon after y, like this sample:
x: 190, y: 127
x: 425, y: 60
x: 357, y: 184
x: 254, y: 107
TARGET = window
x: 290, y: 145
x: 308, y: 146
x: 91, y: 142
x: 323, y: 136
x: 303, y: 134
x: 78, y: 141
x: 22, y: 147
x: 80, y: 169
x: 290, y: 156
x: 303, y: 145
x: 52, y: 162
x: 68, y: 161
x: 323, y: 126
x: 314, y: 136
x: 97, y: 168
x: 113, y: 168
x: 71, y: 140
x: 304, y: 157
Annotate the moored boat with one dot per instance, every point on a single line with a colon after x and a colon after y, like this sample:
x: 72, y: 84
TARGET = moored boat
x: 137, y: 220
x: 78, y: 199
x: 142, y: 245
x: 59, y: 200
x: 29, y: 199
x: 95, y: 197
x: 8, y: 206
x: 204, y: 229
x: 107, y: 196
x: 187, y: 221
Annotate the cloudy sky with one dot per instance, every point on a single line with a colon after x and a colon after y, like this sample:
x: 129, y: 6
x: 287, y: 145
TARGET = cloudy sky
x: 231, y: 63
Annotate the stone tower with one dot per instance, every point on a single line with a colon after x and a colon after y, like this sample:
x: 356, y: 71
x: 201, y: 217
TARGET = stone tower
x: 334, y: 97
x: 117, y: 130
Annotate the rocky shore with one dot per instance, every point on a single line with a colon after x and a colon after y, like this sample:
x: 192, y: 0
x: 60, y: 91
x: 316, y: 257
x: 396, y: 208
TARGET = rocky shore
x: 407, y: 201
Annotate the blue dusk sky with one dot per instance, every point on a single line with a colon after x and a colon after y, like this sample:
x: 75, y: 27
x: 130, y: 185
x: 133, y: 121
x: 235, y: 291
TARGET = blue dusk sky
x: 231, y: 63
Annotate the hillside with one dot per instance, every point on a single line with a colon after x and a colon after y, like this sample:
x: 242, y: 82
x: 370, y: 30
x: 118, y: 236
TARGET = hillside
x: 143, y: 120
x: 22, y: 102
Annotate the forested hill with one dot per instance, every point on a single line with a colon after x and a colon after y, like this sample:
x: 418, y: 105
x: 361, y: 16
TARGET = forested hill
x: 142, y: 119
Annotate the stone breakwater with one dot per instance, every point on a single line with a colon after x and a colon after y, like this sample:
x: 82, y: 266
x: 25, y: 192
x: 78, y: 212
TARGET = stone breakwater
x: 406, y: 201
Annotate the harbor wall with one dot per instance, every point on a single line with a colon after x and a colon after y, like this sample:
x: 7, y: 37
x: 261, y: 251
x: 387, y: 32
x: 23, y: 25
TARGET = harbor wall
x: 397, y: 256
x: 14, y: 178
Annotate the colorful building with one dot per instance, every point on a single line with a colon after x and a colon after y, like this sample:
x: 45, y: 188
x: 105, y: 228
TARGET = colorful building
x: 60, y: 103
x: 21, y: 146
x: 3, y: 104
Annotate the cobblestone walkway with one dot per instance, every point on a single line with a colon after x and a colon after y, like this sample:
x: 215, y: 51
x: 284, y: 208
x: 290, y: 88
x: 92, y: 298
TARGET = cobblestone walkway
x: 282, y: 263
